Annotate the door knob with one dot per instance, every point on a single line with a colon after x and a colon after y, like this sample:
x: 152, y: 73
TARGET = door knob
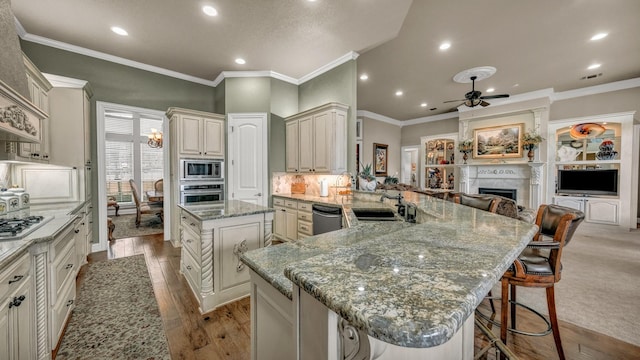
x: 258, y: 194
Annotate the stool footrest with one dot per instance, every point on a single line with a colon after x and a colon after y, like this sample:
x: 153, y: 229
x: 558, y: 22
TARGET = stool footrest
x: 521, y: 332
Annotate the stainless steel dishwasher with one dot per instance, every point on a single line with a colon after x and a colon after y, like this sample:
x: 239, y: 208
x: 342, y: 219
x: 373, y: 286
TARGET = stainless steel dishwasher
x: 326, y: 218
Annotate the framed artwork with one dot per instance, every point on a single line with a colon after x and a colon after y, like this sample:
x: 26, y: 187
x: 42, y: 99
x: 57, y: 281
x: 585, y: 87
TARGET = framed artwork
x: 380, y: 159
x: 498, y: 142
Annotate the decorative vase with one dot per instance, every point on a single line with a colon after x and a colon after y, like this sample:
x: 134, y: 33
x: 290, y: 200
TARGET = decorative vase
x: 366, y: 185
x: 530, y: 154
x: 464, y: 157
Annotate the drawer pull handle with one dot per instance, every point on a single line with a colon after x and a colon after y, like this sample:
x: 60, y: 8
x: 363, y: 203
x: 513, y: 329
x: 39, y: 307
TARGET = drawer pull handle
x: 16, y: 301
x: 82, y: 224
x: 184, y: 218
x: 188, y: 267
x: 76, y: 231
x: 192, y: 224
x: 189, y: 240
x: 70, y: 302
x: 16, y: 279
x: 69, y: 266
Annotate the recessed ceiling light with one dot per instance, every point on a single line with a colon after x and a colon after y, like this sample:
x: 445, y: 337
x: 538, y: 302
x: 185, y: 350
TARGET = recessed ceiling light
x: 516, y: 85
x: 364, y: 77
x: 491, y: 90
x: 445, y: 45
x: 423, y: 104
x: 120, y: 31
x: 599, y: 36
x: 593, y: 66
x: 399, y: 93
x: 240, y: 61
x: 210, y: 10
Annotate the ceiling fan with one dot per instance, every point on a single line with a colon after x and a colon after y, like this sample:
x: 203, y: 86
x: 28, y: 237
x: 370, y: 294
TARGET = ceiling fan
x: 474, y: 97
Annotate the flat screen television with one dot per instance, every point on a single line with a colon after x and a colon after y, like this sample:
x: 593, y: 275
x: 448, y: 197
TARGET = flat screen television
x: 588, y: 182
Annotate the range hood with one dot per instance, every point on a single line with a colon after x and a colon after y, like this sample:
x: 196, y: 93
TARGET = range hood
x: 19, y: 118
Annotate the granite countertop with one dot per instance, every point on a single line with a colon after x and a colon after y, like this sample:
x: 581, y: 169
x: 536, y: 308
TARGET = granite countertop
x: 214, y: 210
x: 59, y: 217
x: 410, y: 285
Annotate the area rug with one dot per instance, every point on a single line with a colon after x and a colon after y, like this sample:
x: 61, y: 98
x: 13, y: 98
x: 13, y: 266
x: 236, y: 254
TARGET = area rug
x: 126, y: 226
x: 116, y: 314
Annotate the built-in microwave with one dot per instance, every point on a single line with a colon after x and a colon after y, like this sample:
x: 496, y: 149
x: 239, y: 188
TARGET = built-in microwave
x: 199, y: 169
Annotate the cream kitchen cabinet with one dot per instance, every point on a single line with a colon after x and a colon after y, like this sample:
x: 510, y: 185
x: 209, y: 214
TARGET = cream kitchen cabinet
x: 39, y: 88
x: 596, y: 210
x: 63, y: 267
x: 70, y: 118
x: 293, y: 219
x: 17, y: 318
x: 211, y: 250
x: 279, y: 219
x: 316, y: 140
x: 198, y: 134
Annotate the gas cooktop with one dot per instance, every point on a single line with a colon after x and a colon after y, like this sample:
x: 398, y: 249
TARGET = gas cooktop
x: 17, y: 228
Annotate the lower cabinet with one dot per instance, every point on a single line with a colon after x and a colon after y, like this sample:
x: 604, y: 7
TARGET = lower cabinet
x: 293, y: 219
x: 17, y: 319
x: 210, y: 259
x: 596, y: 210
x: 62, y: 281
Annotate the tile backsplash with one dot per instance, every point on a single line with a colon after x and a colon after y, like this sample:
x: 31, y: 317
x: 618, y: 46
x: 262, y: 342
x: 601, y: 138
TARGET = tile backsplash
x: 281, y: 182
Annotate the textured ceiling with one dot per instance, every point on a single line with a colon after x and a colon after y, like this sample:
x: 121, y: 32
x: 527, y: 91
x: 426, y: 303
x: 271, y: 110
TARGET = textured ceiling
x: 536, y: 44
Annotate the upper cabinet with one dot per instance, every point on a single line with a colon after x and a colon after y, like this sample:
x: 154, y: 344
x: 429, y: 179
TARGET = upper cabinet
x: 316, y: 140
x: 70, y: 121
x: 198, y: 134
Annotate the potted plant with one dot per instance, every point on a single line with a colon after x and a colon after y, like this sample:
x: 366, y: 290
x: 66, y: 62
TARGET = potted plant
x: 465, y: 147
x: 530, y: 141
x: 366, y: 179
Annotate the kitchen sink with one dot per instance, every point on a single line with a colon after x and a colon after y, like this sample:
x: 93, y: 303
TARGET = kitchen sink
x: 375, y: 214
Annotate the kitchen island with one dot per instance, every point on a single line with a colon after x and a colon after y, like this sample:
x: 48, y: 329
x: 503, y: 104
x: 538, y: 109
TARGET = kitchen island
x: 214, y: 235
x: 383, y: 289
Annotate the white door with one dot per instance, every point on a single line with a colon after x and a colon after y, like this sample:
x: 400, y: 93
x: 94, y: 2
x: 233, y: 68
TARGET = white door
x: 409, y: 165
x: 248, y: 156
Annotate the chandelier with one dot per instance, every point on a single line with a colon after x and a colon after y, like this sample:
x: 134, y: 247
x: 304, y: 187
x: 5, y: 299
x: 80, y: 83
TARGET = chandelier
x: 155, y: 139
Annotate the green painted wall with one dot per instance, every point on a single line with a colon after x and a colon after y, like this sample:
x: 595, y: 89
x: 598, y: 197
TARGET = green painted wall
x: 336, y: 85
x: 247, y: 95
x: 284, y: 102
x: 219, y: 98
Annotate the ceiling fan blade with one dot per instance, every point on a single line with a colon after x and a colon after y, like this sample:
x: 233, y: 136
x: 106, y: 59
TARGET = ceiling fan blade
x: 450, y: 101
x: 484, y: 103
x: 495, y: 96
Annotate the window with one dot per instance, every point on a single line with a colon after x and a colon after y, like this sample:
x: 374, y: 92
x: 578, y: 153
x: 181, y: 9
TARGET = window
x: 127, y: 155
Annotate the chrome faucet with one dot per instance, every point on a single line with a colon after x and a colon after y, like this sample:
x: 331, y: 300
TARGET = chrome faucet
x: 411, y: 212
x: 387, y: 196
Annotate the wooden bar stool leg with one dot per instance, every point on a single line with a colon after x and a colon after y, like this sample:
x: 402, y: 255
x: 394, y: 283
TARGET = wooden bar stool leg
x: 551, y: 304
x: 504, y: 304
x: 513, y: 306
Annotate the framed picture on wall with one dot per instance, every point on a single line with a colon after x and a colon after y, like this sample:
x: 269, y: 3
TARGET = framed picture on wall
x: 380, y: 159
x: 498, y: 142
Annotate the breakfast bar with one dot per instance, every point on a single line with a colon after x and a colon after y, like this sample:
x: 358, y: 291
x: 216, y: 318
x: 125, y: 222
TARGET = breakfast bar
x: 390, y: 289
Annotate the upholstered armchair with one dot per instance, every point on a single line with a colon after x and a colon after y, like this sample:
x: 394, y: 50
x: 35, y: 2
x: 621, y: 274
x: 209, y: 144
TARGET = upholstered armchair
x: 144, y: 207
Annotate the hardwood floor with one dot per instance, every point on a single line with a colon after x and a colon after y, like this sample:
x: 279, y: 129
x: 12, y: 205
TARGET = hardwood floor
x: 225, y: 332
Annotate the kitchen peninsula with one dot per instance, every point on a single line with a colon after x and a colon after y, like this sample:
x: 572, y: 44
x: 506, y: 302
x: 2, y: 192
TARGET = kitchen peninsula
x: 214, y: 235
x: 386, y: 289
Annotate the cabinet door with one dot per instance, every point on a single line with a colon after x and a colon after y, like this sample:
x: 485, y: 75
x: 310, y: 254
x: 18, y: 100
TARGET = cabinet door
x: 292, y: 146
x: 234, y: 240
x: 280, y: 222
x: 23, y: 319
x: 213, y: 138
x: 4, y: 326
x: 322, y: 139
x: 190, y: 136
x: 602, y: 211
x: 305, y: 128
x: 291, y: 224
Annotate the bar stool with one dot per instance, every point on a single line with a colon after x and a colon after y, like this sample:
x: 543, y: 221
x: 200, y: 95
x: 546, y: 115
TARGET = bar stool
x: 539, y: 266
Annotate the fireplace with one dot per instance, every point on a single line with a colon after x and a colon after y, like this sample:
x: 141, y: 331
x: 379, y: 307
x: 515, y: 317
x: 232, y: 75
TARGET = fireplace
x: 508, y: 193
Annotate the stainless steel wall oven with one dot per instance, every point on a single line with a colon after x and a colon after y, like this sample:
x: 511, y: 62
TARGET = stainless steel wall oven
x: 195, y: 192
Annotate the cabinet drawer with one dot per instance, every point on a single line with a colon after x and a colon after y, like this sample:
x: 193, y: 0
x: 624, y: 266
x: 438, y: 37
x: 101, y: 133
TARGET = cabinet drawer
x: 190, y: 222
x: 291, y: 204
x: 62, y: 241
x: 191, y: 241
x: 305, y: 216
x: 64, y: 268
x: 191, y: 271
x: 305, y: 228
x: 14, y: 275
x: 61, y: 311
x: 278, y: 201
x: 304, y: 206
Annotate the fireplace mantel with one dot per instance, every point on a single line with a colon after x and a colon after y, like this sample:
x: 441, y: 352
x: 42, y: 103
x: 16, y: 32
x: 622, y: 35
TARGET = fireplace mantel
x: 526, y: 177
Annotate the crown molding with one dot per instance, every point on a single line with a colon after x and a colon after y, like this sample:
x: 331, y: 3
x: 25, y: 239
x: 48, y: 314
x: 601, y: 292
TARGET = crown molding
x: 378, y: 117
x: 597, y: 89
x: 19, y: 28
x: 266, y: 73
x: 426, y: 119
x: 63, y: 81
x: 111, y: 58
x: 351, y: 55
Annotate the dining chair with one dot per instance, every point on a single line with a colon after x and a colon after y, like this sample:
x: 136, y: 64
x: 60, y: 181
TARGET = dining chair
x: 539, y: 266
x: 158, y: 185
x: 144, y: 207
